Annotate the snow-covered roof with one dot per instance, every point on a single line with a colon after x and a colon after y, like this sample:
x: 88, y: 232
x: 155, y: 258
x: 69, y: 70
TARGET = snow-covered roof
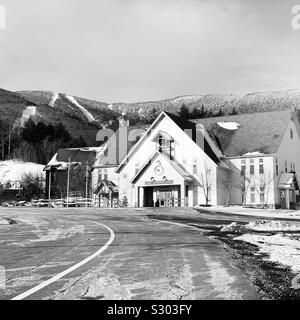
x: 229, y: 125
x: 257, y: 132
x: 76, y: 156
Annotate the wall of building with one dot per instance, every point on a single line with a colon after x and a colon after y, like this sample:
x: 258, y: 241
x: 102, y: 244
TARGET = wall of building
x: 109, y: 171
x: 288, y: 154
x: 187, y: 153
x: 253, y: 182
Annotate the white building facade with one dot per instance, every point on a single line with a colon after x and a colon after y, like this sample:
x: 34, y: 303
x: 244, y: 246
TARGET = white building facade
x: 250, y: 160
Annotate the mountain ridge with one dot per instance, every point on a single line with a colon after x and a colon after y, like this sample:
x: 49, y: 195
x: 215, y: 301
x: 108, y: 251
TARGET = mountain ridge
x: 85, y: 117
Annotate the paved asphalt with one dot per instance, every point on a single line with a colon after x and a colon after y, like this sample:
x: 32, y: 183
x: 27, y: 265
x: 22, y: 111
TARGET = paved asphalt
x: 148, y: 259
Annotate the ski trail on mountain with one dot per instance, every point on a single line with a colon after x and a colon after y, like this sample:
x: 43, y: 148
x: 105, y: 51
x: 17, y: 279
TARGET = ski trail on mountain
x: 87, y: 114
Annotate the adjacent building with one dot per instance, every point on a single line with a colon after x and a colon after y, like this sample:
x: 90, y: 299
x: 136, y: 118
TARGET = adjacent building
x: 250, y: 159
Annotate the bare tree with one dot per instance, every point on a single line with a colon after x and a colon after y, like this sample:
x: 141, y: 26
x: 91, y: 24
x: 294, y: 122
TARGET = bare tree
x: 265, y: 181
x: 232, y: 180
x: 207, y: 179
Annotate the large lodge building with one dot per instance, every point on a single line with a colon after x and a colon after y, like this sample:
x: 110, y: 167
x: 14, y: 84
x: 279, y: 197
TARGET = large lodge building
x: 249, y: 159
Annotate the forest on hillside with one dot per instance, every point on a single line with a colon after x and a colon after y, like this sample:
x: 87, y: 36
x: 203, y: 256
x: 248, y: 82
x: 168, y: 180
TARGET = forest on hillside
x: 38, y: 141
x: 35, y: 142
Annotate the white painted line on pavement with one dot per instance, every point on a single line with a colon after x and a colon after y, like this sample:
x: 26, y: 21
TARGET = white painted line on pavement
x: 69, y: 270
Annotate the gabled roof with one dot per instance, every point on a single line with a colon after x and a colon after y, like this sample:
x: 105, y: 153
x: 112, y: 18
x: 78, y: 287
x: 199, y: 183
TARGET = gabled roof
x: 288, y: 180
x: 106, y: 185
x: 173, y: 162
x: 257, y: 132
x: 183, y: 125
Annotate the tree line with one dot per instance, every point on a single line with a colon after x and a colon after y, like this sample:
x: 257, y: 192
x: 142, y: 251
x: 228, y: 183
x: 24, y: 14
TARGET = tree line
x: 36, y: 142
x: 202, y: 112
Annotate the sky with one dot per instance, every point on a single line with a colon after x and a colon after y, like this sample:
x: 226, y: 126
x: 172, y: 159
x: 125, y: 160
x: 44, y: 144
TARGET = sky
x: 138, y: 50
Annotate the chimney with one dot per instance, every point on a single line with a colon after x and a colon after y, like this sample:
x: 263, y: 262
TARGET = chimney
x: 200, y: 134
x: 122, y: 122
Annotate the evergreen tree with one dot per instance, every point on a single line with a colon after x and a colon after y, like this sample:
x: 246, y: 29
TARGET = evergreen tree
x: 184, y: 112
x: 233, y: 111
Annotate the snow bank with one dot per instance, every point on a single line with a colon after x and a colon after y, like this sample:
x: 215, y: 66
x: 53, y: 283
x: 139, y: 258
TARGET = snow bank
x: 4, y: 222
x: 14, y: 170
x: 87, y: 114
x: 229, y: 125
x: 281, y: 249
x: 234, y: 228
x: 263, y: 225
x: 260, y: 225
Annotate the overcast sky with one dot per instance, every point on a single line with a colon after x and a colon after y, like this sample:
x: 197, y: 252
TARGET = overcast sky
x: 136, y: 50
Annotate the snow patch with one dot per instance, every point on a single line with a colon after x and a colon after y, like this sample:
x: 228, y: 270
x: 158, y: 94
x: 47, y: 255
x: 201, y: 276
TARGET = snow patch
x: 54, y: 98
x: 14, y: 170
x: 86, y: 113
x: 27, y: 113
x: 281, y: 249
x: 186, y: 99
x: 255, y: 153
x: 260, y: 225
x: 229, y: 125
x: 58, y: 233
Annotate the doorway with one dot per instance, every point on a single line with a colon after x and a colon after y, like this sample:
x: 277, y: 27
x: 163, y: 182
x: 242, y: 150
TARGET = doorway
x: 148, y: 197
x: 165, y: 198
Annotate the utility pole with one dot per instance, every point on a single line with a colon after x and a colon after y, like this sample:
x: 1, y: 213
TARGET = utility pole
x: 2, y: 150
x: 68, y: 182
x: 49, y: 187
x: 86, y: 185
x: 9, y: 142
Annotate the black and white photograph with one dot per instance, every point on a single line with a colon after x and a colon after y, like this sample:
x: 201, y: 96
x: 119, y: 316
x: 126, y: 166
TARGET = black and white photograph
x: 149, y: 153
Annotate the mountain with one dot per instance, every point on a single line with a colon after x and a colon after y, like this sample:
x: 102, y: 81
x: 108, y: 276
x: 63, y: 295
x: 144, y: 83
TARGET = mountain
x: 11, y: 106
x: 84, y: 117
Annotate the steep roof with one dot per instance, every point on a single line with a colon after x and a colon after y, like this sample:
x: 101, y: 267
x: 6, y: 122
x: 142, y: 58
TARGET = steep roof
x: 183, y: 125
x: 247, y: 133
x: 189, y: 125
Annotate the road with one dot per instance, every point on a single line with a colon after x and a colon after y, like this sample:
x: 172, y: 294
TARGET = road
x: 147, y: 259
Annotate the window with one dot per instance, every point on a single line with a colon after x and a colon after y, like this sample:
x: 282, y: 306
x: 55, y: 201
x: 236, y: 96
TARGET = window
x: 195, y: 169
x: 285, y: 166
x: 276, y: 167
x: 243, y: 197
x: 243, y: 170
x: 261, y: 168
x: 261, y: 160
x: 291, y: 133
x: 105, y: 176
x: 100, y: 175
x: 252, y: 189
x: 251, y: 160
x: 243, y: 161
x: 262, y: 198
x: 251, y: 169
x: 252, y: 197
x: 262, y: 189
